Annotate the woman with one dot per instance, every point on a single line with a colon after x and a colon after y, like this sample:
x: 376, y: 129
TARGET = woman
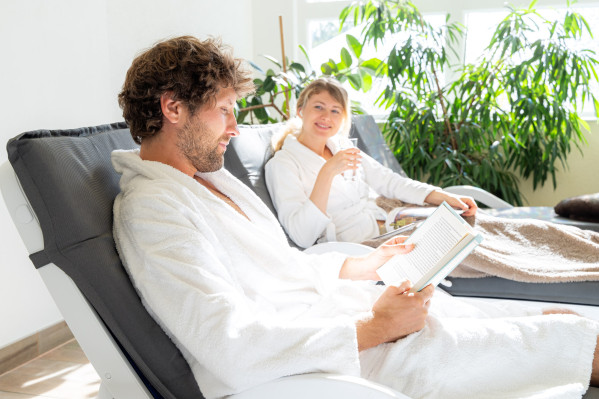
x: 314, y: 201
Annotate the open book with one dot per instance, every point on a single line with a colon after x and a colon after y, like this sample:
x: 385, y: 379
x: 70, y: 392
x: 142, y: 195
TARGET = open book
x: 441, y: 242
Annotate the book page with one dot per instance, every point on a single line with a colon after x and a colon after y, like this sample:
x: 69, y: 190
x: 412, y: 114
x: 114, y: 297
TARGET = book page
x: 435, y: 240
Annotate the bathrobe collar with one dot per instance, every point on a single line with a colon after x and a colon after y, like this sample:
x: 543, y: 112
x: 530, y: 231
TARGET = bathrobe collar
x: 129, y: 164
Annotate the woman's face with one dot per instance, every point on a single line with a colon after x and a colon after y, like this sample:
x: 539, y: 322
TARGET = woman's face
x: 322, y: 116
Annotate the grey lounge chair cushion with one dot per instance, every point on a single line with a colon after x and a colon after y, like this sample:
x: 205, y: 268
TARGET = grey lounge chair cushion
x: 247, y: 155
x: 71, y: 185
x: 583, y: 207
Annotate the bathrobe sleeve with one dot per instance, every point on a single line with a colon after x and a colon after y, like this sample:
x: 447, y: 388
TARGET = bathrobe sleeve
x: 233, y: 341
x: 392, y: 185
x: 300, y: 218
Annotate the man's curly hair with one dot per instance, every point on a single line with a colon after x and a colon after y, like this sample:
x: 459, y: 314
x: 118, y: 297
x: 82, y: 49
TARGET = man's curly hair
x: 192, y: 69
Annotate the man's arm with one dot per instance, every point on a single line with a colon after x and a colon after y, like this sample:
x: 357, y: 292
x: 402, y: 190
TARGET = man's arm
x: 396, y: 313
x: 364, y: 267
x: 179, y: 272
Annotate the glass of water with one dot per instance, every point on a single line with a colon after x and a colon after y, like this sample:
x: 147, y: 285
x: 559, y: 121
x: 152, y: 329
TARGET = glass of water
x: 352, y: 174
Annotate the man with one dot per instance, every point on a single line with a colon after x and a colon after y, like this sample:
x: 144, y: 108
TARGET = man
x: 213, y: 267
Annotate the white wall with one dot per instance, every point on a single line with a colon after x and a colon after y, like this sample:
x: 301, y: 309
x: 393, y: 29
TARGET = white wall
x: 63, y: 62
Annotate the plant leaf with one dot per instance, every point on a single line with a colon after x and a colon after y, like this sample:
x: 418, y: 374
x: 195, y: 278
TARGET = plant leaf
x: 273, y: 60
x: 354, y: 44
x: 346, y: 59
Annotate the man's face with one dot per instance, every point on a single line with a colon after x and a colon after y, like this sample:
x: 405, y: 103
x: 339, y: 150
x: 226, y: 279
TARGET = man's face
x: 204, y: 137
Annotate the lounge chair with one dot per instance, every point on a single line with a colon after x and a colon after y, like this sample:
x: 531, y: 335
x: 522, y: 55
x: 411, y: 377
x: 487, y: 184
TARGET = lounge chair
x: 59, y: 188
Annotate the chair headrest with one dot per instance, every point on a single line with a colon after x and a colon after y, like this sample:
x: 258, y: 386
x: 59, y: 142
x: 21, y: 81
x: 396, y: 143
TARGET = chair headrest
x: 248, y: 153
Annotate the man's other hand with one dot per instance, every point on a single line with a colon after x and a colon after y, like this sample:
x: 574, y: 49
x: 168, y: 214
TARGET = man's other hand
x: 395, y: 314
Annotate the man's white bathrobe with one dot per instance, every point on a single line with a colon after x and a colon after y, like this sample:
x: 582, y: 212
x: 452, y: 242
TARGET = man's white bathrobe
x: 245, y: 308
x: 352, y: 213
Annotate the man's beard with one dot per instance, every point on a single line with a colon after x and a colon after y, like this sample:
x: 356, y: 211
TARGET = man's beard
x: 202, y: 155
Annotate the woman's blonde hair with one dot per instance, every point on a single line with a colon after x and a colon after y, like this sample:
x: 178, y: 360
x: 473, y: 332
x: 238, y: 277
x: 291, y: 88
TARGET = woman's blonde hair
x: 322, y: 84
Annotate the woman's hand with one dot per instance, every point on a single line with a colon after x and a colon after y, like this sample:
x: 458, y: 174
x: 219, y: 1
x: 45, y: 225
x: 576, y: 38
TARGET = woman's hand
x: 343, y: 160
x: 463, y: 202
x: 364, y: 267
x: 348, y: 159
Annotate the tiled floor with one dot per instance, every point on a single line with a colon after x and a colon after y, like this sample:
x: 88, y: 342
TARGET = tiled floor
x: 62, y: 373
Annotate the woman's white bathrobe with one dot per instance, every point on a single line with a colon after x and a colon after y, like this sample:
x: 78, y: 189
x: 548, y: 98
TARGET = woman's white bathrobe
x: 245, y: 308
x: 351, y: 210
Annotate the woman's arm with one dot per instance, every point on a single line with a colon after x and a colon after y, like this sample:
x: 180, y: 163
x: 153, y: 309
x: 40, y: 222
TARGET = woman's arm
x: 343, y: 160
x: 392, y: 185
x: 303, y: 221
x: 463, y: 202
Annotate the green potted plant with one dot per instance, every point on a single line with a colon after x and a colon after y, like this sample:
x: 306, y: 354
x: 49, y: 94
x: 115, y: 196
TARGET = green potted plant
x: 515, y: 112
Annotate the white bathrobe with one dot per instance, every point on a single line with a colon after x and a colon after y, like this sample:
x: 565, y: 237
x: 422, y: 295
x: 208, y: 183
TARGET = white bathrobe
x: 245, y: 308
x: 351, y: 210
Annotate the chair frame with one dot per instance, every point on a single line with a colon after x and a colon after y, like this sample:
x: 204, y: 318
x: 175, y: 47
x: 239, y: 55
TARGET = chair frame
x: 115, y: 371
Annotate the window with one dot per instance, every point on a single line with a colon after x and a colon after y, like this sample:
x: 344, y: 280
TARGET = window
x: 320, y: 30
x: 481, y: 26
x: 323, y: 30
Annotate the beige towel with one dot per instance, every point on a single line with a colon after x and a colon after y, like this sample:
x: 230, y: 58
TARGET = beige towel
x: 531, y: 250
x: 526, y: 250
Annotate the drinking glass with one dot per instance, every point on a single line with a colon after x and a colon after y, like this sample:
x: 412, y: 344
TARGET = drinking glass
x: 352, y: 174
